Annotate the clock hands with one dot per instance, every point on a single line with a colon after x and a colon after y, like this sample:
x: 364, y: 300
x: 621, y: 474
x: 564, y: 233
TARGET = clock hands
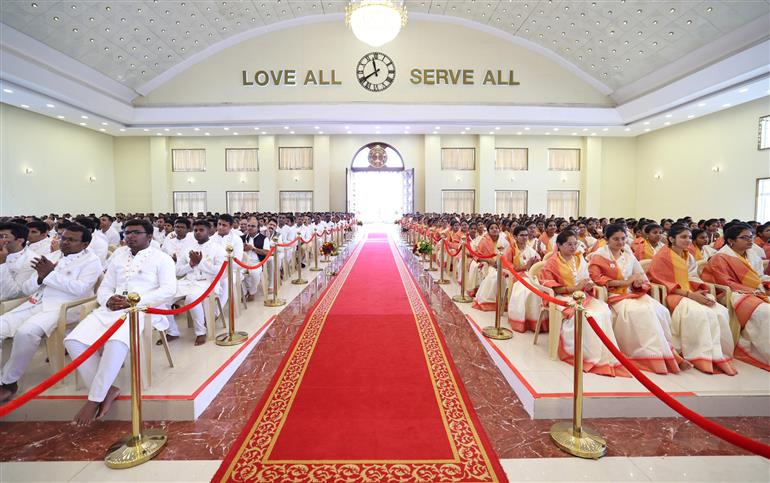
x: 376, y: 71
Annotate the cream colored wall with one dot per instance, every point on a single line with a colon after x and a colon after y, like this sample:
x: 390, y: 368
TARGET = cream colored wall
x: 685, y: 154
x: 133, y: 185
x: 328, y: 45
x: 62, y: 157
x: 618, y: 178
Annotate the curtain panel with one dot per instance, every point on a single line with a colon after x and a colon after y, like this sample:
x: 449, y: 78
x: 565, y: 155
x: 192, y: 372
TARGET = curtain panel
x: 563, y: 159
x: 515, y: 159
x: 458, y: 201
x: 295, y: 158
x: 188, y: 159
x: 296, y: 201
x: 511, y: 202
x: 242, y: 201
x: 189, y: 201
x: 563, y: 203
x: 458, y: 158
x: 238, y: 159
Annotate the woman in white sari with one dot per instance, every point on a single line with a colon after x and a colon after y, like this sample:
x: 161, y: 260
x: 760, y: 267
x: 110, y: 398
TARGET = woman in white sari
x: 641, y: 324
x: 523, y: 304
x: 490, y: 245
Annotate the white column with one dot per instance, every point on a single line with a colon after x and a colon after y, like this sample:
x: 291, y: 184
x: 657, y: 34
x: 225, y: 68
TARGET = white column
x: 268, y: 174
x: 321, y: 167
x: 160, y: 175
x: 591, y: 177
x: 432, y: 174
x: 485, y: 193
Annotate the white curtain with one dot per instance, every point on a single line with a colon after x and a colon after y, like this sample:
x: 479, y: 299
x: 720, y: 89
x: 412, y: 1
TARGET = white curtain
x: 763, y: 200
x: 189, y: 201
x: 511, y: 158
x: 296, y: 201
x: 242, y: 201
x: 237, y: 159
x: 295, y: 158
x: 458, y: 158
x: 564, y: 159
x: 511, y: 202
x: 459, y: 201
x: 563, y: 203
x: 764, y: 132
x: 188, y: 159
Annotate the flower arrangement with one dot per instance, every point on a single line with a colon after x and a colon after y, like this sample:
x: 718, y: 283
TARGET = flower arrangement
x: 328, y: 248
x: 424, y: 247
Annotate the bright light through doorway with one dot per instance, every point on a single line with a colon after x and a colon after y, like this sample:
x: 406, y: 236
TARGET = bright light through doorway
x: 378, y: 196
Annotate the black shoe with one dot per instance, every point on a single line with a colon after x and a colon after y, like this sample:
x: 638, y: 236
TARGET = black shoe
x: 11, y: 388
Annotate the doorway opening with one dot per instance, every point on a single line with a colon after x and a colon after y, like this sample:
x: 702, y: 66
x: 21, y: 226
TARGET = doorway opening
x: 379, y: 188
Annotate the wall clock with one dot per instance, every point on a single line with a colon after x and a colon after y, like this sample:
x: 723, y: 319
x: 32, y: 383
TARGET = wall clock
x: 375, y: 71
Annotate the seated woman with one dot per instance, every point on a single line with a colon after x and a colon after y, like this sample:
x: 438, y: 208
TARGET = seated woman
x: 548, y: 239
x: 523, y: 304
x: 453, y: 239
x: 585, y: 240
x: 565, y: 273
x: 642, y: 325
x: 649, y: 244
x: 735, y: 267
x: 763, y: 239
x: 475, y: 237
x: 490, y: 244
x: 700, y: 327
x: 700, y: 248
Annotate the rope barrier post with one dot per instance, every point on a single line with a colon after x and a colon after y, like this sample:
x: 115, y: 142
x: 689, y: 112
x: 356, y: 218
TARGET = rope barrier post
x: 275, y: 301
x: 140, y: 446
x: 299, y: 280
x: 231, y: 337
x: 442, y: 260
x: 574, y: 438
x: 462, y: 297
x: 430, y: 268
x: 315, y: 254
x: 497, y: 331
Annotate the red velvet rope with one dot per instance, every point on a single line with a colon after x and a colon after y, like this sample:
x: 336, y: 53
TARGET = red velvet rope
x: 305, y: 242
x: 531, y: 287
x: 254, y: 267
x: 449, y: 250
x: 63, y: 372
x: 185, y: 308
x: 288, y: 244
x: 739, y: 440
x: 476, y: 254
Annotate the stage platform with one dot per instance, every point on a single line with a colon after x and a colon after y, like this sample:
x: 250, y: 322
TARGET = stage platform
x: 544, y: 386
x: 179, y: 393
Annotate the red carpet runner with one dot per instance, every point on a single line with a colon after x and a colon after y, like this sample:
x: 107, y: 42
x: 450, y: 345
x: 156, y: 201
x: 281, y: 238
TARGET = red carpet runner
x: 366, y: 392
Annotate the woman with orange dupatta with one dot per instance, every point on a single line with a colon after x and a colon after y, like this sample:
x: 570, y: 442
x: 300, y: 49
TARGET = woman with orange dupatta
x: 486, y: 295
x: 453, y: 239
x: 523, y: 304
x: 648, y: 245
x: 642, y: 325
x: 566, y: 272
x: 548, y: 239
x: 737, y: 268
x: 700, y: 248
x: 700, y: 327
x: 763, y: 239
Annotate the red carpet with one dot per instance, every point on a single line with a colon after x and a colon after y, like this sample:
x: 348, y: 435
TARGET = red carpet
x: 366, y: 392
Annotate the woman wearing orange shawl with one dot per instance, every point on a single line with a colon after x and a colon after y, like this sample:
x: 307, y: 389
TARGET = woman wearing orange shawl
x: 523, y: 304
x: 763, y: 239
x: 700, y: 327
x: 648, y: 245
x: 548, y: 239
x: 486, y: 295
x: 565, y: 273
x: 737, y: 268
x: 453, y: 239
x: 642, y: 325
x: 700, y: 248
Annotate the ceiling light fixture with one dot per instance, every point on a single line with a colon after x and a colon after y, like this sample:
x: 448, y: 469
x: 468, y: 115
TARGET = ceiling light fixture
x: 375, y: 22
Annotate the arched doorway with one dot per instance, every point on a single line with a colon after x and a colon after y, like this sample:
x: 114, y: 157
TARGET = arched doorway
x: 379, y: 188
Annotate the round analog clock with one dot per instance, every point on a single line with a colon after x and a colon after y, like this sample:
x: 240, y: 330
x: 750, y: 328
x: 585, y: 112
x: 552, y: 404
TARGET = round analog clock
x: 376, y: 71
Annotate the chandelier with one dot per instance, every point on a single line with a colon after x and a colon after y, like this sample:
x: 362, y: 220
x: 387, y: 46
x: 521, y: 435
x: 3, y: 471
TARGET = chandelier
x: 375, y: 22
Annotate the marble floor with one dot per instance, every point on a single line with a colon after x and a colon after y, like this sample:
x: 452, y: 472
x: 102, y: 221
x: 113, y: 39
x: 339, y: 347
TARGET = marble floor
x: 633, y: 442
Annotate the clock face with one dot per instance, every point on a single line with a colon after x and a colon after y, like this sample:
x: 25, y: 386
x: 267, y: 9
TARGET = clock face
x: 376, y: 71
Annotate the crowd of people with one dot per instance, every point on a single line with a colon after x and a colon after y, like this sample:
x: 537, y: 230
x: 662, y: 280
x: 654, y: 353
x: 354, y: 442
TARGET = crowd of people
x: 707, y: 271
x: 166, y: 259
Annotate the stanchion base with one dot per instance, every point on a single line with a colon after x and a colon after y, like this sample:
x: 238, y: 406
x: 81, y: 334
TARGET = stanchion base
x: 238, y: 338
x: 442, y: 281
x: 314, y: 269
x: 274, y: 303
x: 130, y: 451
x: 463, y: 299
x: 298, y: 281
x: 497, y: 333
x: 588, y: 445
x: 431, y: 269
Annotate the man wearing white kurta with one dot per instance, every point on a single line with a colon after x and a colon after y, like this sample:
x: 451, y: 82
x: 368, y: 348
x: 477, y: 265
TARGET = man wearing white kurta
x: 15, y: 260
x: 99, y: 245
x: 252, y: 241
x: 198, y: 268
x: 180, y: 240
x: 226, y: 236
x: 139, y: 268
x: 107, y: 229
x: 71, y: 278
x: 38, y: 240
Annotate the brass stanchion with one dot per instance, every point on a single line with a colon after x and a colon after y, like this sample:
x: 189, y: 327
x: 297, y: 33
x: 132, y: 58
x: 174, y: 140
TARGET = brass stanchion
x: 275, y: 301
x: 442, y: 261
x: 315, y: 254
x: 575, y: 438
x: 139, y: 446
x: 430, y: 268
x: 497, y: 331
x: 299, y: 280
x: 463, y: 298
x: 231, y: 337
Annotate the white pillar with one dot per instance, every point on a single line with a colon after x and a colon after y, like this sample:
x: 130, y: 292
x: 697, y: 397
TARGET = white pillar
x: 433, y: 174
x: 321, y: 167
x: 591, y: 177
x: 160, y: 175
x: 268, y: 174
x: 485, y: 193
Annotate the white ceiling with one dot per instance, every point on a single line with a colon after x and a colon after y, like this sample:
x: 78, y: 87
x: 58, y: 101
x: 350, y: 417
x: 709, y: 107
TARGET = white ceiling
x: 616, y: 42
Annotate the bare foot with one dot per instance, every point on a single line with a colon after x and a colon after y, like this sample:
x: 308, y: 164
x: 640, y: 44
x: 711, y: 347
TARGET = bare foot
x: 200, y: 340
x: 106, y: 405
x: 7, y: 391
x: 87, y: 413
x: 169, y: 338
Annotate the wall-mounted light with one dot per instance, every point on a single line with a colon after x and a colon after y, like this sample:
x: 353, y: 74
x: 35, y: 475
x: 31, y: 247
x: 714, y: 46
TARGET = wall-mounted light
x: 459, y: 179
x: 92, y: 179
x: 191, y: 180
x: 243, y: 180
x: 564, y: 178
x: 716, y: 168
x: 28, y: 170
x: 513, y: 178
x: 296, y: 179
x: 657, y: 175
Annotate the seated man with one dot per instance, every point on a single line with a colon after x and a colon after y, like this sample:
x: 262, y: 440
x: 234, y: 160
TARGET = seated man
x: 38, y: 240
x: 99, y: 245
x: 15, y: 260
x: 136, y: 267
x: 226, y: 235
x: 180, y: 240
x: 71, y: 278
x: 252, y: 241
x: 272, y: 235
x: 106, y: 226
x: 198, y: 268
